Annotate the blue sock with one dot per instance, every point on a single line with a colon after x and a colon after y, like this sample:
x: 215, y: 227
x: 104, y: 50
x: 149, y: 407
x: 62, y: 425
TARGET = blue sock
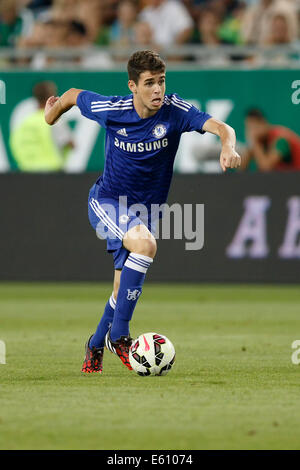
x: 131, y: 282
x: 98, y: 339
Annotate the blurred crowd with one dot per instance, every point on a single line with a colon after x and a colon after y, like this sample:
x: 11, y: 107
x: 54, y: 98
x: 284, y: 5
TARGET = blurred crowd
x: 159, y: 24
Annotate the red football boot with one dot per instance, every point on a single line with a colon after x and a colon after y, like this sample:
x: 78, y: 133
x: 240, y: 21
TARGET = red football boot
x: 120, y: 347
x: 93, y: 361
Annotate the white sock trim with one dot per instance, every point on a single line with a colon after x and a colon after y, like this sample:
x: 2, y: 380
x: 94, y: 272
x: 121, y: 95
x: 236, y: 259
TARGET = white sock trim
x: 112, y: 301
x: 138, y: 262
x: 142, y: 257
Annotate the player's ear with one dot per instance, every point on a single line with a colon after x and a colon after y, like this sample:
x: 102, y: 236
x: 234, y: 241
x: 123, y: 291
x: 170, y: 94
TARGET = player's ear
x: 132, y: 86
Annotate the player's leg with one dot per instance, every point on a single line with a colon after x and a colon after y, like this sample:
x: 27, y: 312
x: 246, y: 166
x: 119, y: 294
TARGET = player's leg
x: 133, y: 249
x: 116, y: 283
x: 94, y: 348
x: 141, y: 246
x: 97, y: 339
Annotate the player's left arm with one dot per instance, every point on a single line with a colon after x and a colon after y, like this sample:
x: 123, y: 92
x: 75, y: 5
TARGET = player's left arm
x: 229, y: 158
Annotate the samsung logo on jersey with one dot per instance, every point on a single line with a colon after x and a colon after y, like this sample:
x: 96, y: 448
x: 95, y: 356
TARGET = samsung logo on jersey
x: 141, y: 146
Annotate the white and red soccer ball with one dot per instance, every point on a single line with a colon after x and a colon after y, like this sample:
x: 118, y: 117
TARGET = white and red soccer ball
x: 152, y: 354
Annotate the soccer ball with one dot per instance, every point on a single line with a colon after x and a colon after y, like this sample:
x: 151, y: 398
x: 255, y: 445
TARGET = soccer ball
x: 152, y: 354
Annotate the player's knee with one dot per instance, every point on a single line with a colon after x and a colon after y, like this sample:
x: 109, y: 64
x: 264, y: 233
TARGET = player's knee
x: 139, y: 240
x: 147, y: 247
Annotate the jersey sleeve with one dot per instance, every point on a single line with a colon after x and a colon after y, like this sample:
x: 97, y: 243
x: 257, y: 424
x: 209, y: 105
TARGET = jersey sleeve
x: 95, y: 106
x: 190, y: 117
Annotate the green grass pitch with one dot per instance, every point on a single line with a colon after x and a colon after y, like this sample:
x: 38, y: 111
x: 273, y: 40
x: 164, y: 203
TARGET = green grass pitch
x: 233, y: 385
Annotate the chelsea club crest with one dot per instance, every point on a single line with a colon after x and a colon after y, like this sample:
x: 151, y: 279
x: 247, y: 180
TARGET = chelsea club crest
x: 159, y: 131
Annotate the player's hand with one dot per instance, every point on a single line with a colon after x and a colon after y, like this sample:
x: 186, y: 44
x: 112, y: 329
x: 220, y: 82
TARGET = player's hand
x: 50, y: 103
x: 52, y: 114
x: 229, y: 158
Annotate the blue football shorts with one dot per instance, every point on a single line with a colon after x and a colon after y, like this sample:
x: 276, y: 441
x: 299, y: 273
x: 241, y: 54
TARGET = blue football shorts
x: 111, y: 220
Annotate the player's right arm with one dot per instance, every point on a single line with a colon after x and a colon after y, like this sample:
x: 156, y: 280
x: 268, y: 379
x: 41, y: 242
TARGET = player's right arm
x: 58, y: 105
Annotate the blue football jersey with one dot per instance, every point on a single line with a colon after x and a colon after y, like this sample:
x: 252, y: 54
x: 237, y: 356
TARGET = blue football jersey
x: 139, y: 152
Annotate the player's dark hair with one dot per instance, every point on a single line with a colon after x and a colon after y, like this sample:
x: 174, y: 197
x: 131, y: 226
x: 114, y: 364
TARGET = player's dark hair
x: 255, y: 113
x: 143, y: 61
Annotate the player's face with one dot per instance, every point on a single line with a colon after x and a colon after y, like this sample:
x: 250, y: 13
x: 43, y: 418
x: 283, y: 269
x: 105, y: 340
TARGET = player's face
x: 150, y: 90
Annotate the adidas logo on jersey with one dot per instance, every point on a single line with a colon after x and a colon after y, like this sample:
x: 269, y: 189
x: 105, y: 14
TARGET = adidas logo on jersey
x: 122, y: 132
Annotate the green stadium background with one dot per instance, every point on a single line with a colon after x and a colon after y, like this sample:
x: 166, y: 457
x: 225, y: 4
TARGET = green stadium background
x: 270, y: 90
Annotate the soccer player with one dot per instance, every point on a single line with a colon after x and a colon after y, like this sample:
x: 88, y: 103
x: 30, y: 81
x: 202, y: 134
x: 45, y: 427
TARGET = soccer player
x: 143, y: 131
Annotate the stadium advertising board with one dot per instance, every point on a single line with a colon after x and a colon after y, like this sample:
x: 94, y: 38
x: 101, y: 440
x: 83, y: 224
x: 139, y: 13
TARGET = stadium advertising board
x: 251, y: 230
x: 226, y: 95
